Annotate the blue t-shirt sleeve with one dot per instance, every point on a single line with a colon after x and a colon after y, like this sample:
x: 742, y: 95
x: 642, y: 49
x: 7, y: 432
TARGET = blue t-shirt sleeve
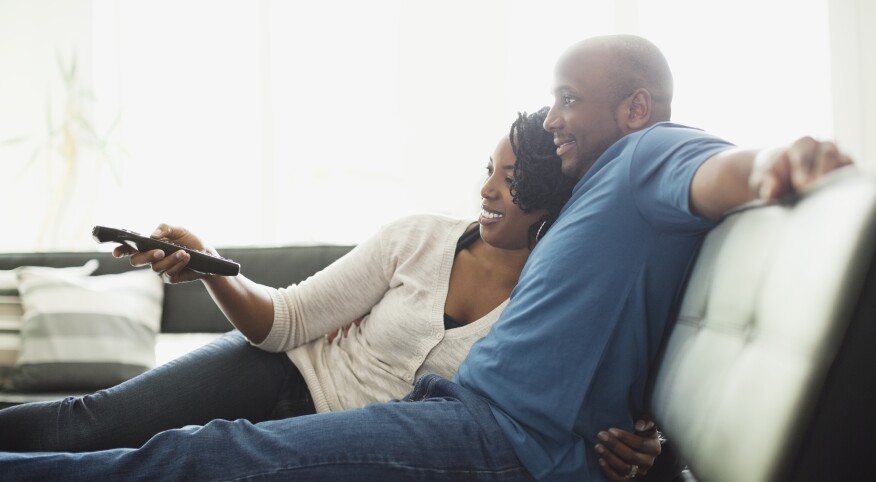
x: 662, y: 188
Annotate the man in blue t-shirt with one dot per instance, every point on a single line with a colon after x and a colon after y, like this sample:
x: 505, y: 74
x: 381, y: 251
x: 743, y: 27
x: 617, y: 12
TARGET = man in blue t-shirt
x: 570, y: 354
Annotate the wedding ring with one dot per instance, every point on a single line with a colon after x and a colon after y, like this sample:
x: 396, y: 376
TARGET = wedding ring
x: 634, y: 469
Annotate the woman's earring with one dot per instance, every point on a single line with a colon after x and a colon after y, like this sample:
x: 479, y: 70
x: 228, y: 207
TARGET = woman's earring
x: 540, y: 228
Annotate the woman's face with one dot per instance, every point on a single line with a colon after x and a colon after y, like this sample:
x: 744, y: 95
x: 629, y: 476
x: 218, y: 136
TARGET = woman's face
x: 502, y: 223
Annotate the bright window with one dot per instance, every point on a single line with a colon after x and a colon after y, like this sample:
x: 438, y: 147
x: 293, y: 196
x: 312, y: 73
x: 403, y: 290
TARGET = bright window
x: 278, y: 122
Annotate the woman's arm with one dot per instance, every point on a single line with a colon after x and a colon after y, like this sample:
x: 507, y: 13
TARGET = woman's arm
x: 283, y: 318
x: 246, y: 304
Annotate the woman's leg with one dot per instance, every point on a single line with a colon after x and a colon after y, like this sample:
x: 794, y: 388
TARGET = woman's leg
x: 448, y: 434
x: 227, y: 379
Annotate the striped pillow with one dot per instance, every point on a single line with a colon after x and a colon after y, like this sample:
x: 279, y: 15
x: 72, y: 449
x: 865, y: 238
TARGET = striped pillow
x: 10, y: 316
x: 10, y: 322
x: 85, y: 332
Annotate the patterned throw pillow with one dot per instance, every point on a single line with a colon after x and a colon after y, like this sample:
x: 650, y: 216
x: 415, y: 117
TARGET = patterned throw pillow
x: 85, y: 332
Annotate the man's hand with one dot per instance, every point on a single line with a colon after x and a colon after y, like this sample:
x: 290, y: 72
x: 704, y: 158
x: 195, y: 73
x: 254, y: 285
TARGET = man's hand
x: 172, y: 268
x: 623, y: 455
x: 779, y: 172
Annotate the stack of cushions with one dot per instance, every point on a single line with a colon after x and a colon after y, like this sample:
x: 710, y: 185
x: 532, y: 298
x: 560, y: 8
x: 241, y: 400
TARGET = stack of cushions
x: 10, y: 322
x: 82, y: 332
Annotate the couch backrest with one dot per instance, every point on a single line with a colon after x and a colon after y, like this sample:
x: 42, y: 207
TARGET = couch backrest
x: 768, y: 373
x: 188, y: 307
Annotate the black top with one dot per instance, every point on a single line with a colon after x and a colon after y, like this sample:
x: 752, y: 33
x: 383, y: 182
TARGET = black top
x: 465, y: 241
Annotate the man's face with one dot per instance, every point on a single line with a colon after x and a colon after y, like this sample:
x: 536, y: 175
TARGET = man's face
x: 583, y: 117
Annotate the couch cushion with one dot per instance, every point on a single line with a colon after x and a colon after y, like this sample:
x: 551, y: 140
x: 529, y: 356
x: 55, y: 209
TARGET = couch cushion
x: 769, y: 303
x: 85, y: 332
x: 11, y: 314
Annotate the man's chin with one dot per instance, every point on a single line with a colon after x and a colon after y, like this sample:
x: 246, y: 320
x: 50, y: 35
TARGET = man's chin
x: 575, y: 168
x: 572, y: 168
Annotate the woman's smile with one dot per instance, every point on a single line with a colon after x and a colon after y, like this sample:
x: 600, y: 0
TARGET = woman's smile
x: 489, y: 216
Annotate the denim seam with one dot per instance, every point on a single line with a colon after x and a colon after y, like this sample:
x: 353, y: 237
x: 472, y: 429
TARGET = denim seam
x: 448, y: 471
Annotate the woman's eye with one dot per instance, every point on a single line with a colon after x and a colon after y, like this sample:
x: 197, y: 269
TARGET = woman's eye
x: 568, y: 99
x: 509, y: 180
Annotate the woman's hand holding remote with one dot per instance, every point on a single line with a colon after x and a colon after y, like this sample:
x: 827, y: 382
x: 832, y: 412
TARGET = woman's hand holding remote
x: 171, y: 267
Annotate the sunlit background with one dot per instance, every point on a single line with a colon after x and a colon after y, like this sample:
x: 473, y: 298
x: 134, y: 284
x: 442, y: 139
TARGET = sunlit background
x: 290, y: 122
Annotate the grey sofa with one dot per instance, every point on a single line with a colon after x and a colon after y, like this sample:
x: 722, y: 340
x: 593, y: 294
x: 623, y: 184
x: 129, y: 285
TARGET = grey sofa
x: 187, y: 307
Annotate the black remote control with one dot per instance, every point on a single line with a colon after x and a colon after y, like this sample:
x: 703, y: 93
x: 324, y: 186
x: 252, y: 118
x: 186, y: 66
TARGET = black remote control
x: 203, y: 262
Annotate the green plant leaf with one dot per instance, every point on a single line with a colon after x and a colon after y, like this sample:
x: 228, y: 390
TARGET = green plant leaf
x: 14, y: 140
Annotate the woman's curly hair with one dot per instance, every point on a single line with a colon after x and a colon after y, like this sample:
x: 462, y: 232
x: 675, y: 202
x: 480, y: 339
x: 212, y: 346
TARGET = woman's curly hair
x: 539, y: 182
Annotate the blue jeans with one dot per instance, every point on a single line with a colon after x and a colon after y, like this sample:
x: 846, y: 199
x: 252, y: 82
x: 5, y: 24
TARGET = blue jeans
x: 227, y: 379
x: 439, y: 432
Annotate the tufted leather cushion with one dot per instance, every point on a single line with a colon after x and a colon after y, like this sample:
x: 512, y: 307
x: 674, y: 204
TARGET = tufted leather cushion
x: 751, y: 360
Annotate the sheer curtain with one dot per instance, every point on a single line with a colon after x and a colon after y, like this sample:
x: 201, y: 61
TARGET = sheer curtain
x: 278, y: 122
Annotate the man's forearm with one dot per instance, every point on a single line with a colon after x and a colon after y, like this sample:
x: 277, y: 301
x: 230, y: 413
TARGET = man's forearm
x: 737, y: 176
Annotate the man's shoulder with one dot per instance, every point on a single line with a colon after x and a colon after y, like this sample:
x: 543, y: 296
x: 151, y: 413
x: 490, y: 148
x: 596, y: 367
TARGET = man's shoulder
x: 668, y: 129
x: 653, y: 143
x: 664, y: 139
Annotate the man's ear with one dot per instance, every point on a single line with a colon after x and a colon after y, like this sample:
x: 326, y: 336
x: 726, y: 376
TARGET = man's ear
x: 637, y: 111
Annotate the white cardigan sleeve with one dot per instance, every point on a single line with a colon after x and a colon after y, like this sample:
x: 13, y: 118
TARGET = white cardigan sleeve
x: 342, y: 292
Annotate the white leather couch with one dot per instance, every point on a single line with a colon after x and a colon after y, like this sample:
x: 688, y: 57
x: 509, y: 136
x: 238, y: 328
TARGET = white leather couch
x: 768, y: 375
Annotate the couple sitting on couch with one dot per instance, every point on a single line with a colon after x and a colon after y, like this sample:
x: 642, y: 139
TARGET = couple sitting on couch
x: 300, y: 371
x: 569, y: 354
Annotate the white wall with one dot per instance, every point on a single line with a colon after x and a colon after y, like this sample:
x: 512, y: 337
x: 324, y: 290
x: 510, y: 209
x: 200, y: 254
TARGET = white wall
x: 853, y: 39
x: 33, y: 37
x: 275, y: 122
